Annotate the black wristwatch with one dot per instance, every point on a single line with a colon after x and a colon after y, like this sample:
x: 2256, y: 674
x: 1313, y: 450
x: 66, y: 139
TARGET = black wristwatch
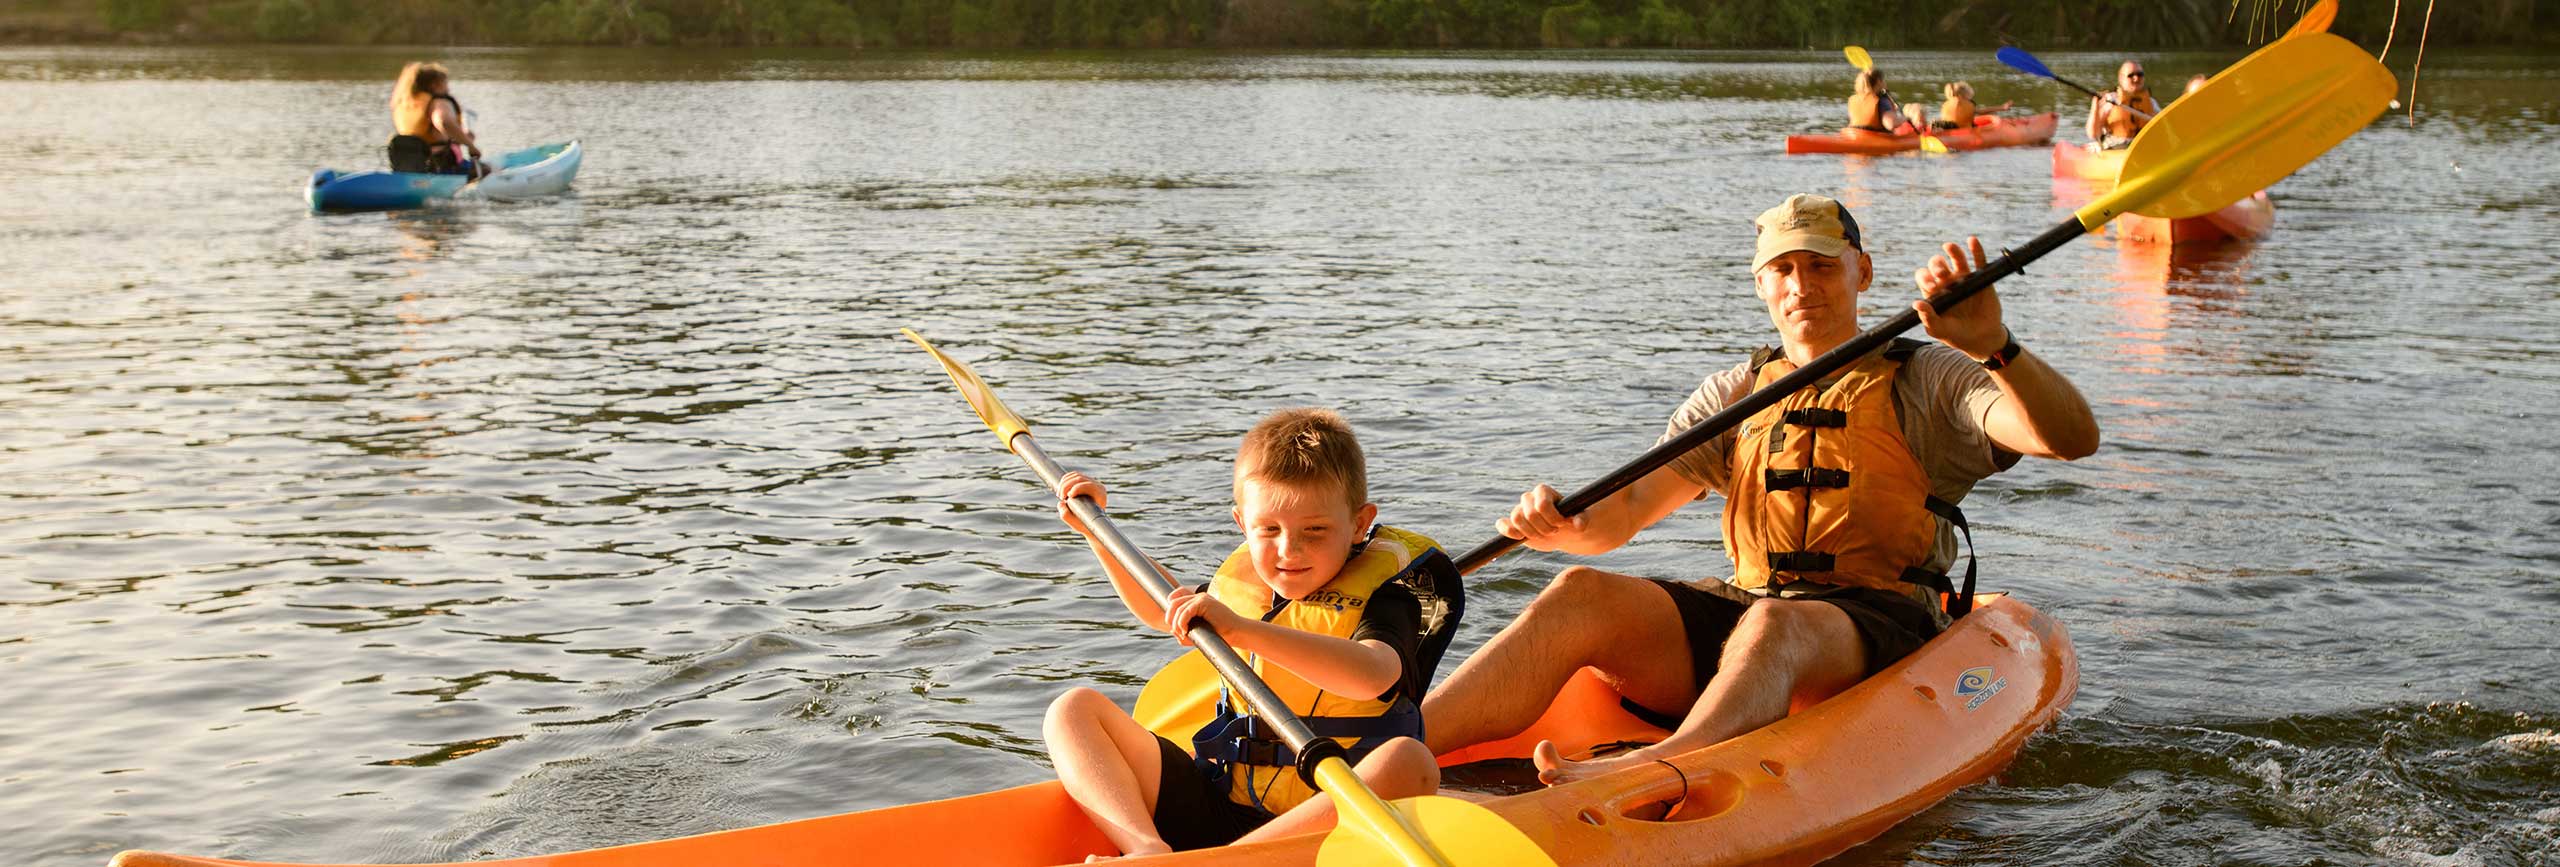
x: 2008, y: 352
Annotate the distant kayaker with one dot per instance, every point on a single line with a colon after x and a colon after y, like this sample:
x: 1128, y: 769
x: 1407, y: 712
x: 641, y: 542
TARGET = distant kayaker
x: 1317, y: 599
x: 1872, y: 107
x: 428, y: 133
x: 2115, y: 116
x: 2197, y: 82
x: 1839, y: 515
x: 1957, y: 112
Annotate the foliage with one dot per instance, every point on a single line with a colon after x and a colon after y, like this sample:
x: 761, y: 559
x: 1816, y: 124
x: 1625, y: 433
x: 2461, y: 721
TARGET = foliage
x: 2126, y: 24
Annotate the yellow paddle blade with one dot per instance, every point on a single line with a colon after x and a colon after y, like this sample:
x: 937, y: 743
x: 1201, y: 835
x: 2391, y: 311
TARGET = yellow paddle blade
x: 2253, y: 124
x: 2314, y: 20
x: 1466, y: 832
x: 1931, y: 144
x: 998, y: 417
x: 1858, y: 58
x: 1181, y: 698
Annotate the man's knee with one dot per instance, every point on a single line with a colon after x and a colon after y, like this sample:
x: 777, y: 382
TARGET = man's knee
x: 1808, y: 627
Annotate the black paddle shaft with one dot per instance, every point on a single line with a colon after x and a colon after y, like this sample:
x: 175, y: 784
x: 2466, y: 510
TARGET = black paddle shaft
x: 2010, y: 262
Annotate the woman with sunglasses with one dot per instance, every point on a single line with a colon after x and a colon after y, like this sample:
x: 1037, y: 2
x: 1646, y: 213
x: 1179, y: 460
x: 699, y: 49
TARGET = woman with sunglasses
x: 2116, y: 115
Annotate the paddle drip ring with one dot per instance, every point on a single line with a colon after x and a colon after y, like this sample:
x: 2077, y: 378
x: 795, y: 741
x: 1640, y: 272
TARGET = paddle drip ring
x: 1684, y: 787
x: 2020, y: 270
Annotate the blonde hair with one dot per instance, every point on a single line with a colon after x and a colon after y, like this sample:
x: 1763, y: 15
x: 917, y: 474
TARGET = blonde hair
x: 416, y: 80
x: 412, y: 97
x: 1297, y: 447
x: 1870, y: 80
x: 1959, y: 90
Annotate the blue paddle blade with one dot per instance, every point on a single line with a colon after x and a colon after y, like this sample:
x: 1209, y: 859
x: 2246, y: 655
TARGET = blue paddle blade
x: 2018, y: 59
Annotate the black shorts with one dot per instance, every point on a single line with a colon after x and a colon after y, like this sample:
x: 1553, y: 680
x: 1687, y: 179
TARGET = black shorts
x: 1191, y: 812
x: 1891, y: 625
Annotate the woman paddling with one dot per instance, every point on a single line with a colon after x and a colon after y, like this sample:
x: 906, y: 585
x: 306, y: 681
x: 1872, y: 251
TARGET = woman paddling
x: 428, y: 133
x: 1872, y: 108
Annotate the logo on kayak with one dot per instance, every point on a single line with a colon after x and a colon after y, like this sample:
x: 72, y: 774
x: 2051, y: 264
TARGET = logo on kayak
x: 1980, y: 683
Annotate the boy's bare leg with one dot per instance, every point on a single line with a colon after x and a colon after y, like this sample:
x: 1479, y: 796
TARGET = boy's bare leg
x: 1400, y: 769
x: 1110, y: 765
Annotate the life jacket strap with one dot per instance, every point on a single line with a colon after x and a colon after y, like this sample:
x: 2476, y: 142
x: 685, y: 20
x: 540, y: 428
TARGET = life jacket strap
x: 1958, y: 603
x: 1233, y: 739
x: 1817, y: 417
x: 1800, y: 561
x: 1809, y: 477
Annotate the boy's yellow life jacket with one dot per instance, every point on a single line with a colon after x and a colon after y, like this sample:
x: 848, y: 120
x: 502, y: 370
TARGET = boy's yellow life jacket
x: 1260, y: 769
x: 1824, y: 488
x: 1956, y: 110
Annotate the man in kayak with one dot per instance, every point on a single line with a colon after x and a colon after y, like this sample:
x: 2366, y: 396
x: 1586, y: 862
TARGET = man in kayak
x: 1839, y: 504
x: 1872, y: 107
x: 2116, y: 115
x: 428, y: 134
x: 1316, y: 599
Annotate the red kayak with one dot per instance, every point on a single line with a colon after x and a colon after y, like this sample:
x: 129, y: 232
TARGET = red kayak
x: 1987, y: 132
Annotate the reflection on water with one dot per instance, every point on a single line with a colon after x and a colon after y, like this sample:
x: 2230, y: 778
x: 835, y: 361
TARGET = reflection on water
x: 508, y: 528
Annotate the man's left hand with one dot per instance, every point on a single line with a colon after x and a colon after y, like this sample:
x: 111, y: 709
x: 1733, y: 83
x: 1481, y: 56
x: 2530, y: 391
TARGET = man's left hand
x: 1972, y: 327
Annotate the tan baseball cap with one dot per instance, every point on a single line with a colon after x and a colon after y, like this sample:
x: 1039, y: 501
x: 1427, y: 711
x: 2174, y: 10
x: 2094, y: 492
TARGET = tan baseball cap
x: 1805, y: 222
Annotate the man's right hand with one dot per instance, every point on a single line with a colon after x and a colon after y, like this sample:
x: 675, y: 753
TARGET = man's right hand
x: 1537, y: 523
x: 1079, y: 485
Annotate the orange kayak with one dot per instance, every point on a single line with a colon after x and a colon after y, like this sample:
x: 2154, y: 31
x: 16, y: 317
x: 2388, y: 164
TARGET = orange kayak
x: 1806, y: 788
x: 2245, y: 220
x: 1987, y: 132
x: 2078, y: 161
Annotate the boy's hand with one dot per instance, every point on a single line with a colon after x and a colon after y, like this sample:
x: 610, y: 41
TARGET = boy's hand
x: 1187, y: 604
x: 1078, y: 485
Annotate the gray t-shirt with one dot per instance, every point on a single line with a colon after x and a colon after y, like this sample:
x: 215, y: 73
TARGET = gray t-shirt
x: 1942, y: 398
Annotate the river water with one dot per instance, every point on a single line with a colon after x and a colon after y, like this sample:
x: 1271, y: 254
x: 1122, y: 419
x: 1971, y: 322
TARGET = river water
x: 505, y: 529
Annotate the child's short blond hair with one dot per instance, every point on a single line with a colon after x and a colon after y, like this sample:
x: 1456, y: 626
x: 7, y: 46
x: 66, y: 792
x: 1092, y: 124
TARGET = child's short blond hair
x: 1959, y: 90
x: 1302, y: 446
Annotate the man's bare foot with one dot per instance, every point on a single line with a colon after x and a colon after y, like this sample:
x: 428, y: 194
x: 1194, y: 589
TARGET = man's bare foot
x: 1555, y: 770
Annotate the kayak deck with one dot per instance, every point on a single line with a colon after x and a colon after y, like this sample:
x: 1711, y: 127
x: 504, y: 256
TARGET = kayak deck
x: 1798, y: 791
x: 2246, y: 219
x: 1987, y: 132
x: 542, y: 170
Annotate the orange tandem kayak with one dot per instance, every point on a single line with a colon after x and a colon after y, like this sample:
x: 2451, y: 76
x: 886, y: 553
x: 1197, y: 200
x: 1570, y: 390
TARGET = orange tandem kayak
x: 1806, y: 788
x: 2078, y: 161
x: 1987, y: 132
x: 2244, y: 220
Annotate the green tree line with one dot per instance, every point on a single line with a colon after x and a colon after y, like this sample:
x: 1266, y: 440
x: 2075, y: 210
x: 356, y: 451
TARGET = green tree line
x: 979, y: 24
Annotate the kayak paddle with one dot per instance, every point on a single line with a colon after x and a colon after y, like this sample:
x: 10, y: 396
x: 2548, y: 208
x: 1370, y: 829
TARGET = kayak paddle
x: 2255, y: 123
x: 1430, y: 830
x: 2314, y: 20
x: 1858, y: 58
x: 2018, y: 59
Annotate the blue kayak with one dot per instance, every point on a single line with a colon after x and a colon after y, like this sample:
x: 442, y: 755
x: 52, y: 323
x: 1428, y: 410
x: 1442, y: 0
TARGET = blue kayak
x: 546, y: 170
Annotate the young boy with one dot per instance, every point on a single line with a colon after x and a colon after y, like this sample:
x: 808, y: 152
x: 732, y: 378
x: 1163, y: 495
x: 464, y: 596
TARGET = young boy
x: 1312, y: 600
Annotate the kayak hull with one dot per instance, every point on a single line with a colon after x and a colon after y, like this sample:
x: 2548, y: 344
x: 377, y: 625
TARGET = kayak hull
x: 2078, y: 161
x: 545, y: 170
x: 1987, y: 132
x: 1831, y: 776
x: 2244, y: 220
